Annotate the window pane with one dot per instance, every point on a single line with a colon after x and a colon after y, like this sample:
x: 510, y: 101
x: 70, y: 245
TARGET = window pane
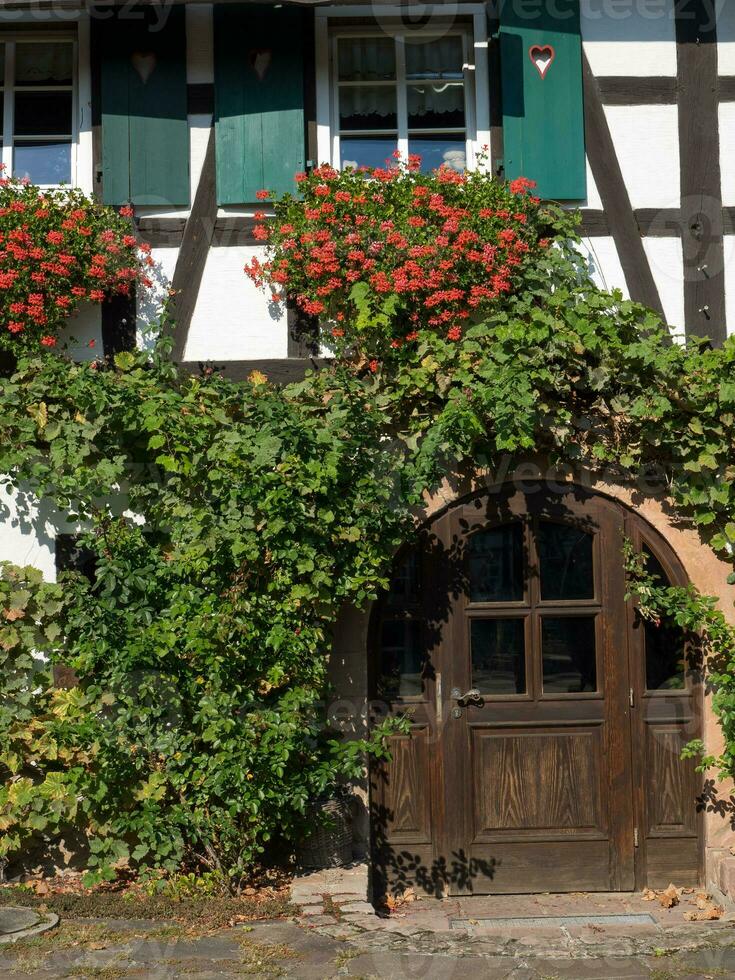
x: 43, y: 162
x: 498, y: 656
x: 565, y: 560
x: 401, y: 662
x: 366, y: 59
x: 437, y: 151
x: 568, y: 649
x: 366, y: 151
x: 404, y: 586
x: 496, y: 564
x: 48, y: 63
x: 43, y: 114
x: 436, y: 106
x: 440, y: 58
x: 665, y: 645
x: 366, y: 107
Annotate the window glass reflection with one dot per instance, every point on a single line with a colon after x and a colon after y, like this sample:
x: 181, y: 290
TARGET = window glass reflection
x: 565, y: 562
x: 498, y: 656
x: 496, y: 564
x: 568, y: 652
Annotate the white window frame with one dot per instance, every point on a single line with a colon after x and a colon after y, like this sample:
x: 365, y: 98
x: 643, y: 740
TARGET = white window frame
x: 330, y: 27
x: 10, y: 40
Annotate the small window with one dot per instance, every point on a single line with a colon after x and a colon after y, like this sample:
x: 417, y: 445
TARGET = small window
x: 568, y: 653
x: 398, y: 93
x: 665, y: 644
x: 565, y: 562
x: 496, y: 564
x: 401, y: 659
x: 498, y: 655
x: 38, y: 109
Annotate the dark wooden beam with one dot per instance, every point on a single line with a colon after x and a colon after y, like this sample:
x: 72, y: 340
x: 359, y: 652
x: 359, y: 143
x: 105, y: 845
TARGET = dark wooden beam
x: 280, y: 370
x: 197, y: 237
x: 650, y: 222
x: 615, y: 200
x: 630, y: 90
x: 699, y: 153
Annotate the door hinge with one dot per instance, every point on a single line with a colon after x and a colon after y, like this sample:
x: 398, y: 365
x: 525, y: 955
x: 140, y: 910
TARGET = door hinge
x: 635, y: 837
x: 631, y: 698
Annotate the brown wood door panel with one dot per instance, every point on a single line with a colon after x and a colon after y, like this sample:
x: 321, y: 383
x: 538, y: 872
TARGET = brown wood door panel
x: 516, y: 868
x: 404, y: 793
x: 564, y: 773
x: 673, y: 860
x: 672, y: 788
x: 537, y: 783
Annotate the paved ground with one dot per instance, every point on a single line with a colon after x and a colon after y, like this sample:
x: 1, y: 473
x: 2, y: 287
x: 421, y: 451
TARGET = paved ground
x: 286, y: 949
x: 425, y: 940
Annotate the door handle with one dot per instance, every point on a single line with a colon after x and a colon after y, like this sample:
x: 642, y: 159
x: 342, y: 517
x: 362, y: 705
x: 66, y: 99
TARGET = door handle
x: 472, y: 696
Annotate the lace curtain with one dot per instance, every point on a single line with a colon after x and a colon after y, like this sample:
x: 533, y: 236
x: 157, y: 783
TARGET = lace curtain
x: 43, y: 64
x: 434, y: 80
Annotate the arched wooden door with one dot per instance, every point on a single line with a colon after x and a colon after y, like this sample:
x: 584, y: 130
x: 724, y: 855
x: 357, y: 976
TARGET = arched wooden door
x: 547, y: 722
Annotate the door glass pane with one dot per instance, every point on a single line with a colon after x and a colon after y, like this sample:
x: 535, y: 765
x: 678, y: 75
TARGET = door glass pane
x: 565, y: 562
x: 496, y: 564
x: 404, y: 584
x: 401, y: 661
x: 665, y: 644
x: 568, y: 649
x: 498, y: 656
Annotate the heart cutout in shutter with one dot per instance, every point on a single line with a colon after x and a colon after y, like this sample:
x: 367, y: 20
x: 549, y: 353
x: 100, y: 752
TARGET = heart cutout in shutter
x: 144, y: 62
x: 542, y: 57
x: 260, y: 61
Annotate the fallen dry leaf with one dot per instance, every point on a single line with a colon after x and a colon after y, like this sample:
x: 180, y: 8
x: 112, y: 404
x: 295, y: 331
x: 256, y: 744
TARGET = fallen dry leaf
x: 705, y: 912
x: 669, y: 897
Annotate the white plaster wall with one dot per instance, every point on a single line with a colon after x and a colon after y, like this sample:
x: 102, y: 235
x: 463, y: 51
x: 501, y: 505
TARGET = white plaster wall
x: 729, y: 243
x: 726, y: 36
x: 727, y: 152
x: 26, y: 533
x: 647, y: 143
x: 629, y: 37
x: 666, y: 260
x: 233, y: 320
x: 150, y: 301
x: 604, y: 264
x: 594, y: 200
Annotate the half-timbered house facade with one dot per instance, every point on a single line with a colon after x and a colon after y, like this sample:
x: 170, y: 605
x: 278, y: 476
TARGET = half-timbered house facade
x: 545, y: 753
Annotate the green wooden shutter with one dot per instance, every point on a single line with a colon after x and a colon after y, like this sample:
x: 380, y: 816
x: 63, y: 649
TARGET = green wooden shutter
x: 145, y: 133
x: 259, y: 99
x: 543, y: 117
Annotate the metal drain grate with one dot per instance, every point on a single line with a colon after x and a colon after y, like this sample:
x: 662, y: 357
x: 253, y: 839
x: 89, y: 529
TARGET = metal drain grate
x: 534, y: 921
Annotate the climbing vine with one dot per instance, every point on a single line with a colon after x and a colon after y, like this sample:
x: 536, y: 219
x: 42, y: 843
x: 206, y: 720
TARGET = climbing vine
x: 229, y: 523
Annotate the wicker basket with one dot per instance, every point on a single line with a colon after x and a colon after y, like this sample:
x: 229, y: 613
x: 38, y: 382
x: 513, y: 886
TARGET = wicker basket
x: 330, y: 843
